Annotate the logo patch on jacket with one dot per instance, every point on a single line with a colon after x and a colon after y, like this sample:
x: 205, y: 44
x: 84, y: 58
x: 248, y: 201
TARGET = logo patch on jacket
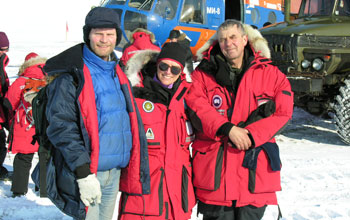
x: 150, y: 134
x: 217, y: 101
x: 148, y: 106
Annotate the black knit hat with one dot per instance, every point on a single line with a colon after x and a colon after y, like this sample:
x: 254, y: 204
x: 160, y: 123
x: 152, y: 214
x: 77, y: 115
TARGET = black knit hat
x: 174, y: 34
x: 101, y: 17
x: 4, y: 41
x: 173, y: 51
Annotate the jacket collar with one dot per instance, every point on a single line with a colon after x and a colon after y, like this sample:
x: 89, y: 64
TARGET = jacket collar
x: 66, y: 61
x: 256, y: 41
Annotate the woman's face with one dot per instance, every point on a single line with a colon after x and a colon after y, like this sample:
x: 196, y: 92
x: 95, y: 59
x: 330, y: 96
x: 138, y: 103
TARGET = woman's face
x: 168, y: 71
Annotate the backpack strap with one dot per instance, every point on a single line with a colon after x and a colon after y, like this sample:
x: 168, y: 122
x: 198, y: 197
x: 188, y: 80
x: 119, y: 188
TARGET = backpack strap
x: 10, y: 135
x: 43, y: 172
x: 43, y: 71
x: 44, y: 151
x: 29, y: 117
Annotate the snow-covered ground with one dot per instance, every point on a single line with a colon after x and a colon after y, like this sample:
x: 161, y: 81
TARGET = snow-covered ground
x: 316, y: 164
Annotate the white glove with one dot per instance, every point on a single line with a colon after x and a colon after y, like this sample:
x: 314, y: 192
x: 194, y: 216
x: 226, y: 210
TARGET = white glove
x: 90, y: 190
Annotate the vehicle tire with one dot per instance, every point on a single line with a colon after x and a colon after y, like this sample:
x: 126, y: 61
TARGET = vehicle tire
x: 342, y: 112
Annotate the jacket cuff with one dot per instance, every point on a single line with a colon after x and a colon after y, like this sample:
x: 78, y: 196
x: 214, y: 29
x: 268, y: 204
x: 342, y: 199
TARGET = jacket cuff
x: 251, y: 139
x: 224, y: 129
x: 82, y: 171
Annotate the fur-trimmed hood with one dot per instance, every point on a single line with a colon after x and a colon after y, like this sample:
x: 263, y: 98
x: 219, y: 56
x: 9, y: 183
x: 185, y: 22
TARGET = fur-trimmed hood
x: 140, y: 60
x: 151, y: 35
x: 183, y: 36
x: 256, y: 41
x: 31, y: 62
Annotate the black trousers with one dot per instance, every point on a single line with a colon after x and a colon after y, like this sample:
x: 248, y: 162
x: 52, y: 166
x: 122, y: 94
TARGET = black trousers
x: 214, y: 212
x: 21, y: 168
x: 3, y: 149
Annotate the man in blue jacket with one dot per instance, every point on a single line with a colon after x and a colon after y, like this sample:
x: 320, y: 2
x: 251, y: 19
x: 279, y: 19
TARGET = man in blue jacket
x: 94, y: 124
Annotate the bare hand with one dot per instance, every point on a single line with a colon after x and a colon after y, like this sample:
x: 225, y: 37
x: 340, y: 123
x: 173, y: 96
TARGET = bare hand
x: 239, y: 137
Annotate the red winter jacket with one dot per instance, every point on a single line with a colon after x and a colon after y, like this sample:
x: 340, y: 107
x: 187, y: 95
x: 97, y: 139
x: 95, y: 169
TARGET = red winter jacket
x: 4, y: 83
x: 219, y: 176
x: 169, y: 135
x: 141, y: 40
x: 22, y: 128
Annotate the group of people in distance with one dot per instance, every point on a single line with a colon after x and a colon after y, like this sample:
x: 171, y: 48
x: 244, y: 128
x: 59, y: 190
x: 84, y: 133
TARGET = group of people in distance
x: 166, y: 136
x: 15, y: 116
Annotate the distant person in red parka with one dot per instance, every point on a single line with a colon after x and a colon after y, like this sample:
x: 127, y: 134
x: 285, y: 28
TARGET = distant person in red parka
x: 141, y: 39
x: 30, y: 77
x: 4, y: 84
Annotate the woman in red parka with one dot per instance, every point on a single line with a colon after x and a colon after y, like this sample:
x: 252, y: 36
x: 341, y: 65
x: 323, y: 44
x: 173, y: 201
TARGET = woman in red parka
x: 160, y: 98
x: 22, y: 127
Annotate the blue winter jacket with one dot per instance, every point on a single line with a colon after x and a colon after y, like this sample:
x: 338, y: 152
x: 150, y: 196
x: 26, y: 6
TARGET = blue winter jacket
x: 113, y: 119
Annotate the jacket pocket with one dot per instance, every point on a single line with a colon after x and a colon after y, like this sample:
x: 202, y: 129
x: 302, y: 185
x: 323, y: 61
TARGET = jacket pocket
x: 151, y: 204
x: 207, y: 167
x: 67, y: 181
x: 263, y: 179
x: 186, y: 133
x: 187, y: 197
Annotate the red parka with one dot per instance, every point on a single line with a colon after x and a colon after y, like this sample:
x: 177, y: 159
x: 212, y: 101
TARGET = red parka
x: 141, y: 39
x: 22, y: 127
x: 169, y: 135
x: 219, y: 174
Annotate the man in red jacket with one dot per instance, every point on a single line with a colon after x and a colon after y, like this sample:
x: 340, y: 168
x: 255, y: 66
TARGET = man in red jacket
x: 238, y: 103
x: 4, y: 84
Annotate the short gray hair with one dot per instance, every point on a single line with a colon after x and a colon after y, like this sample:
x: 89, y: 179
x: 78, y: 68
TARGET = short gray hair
x: 231, y: 23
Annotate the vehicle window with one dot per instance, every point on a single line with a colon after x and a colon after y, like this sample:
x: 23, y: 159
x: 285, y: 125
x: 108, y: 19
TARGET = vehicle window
x: 117, y: 2
x: 133, y: 20
x: 295, y: 7
x: 145, y: 5
x: 166, y: 8
x: 318, y: 7
x: 343, y: 8
x: 192, y: 11
x: 119, y: 12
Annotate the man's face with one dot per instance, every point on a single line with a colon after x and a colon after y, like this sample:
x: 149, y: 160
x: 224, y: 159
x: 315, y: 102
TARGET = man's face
x: 103, y: 41
x: 232, y: 44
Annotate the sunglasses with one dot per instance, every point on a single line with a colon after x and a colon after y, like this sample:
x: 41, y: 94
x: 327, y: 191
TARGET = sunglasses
x: 173, y: 69
x: 4, y: 49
